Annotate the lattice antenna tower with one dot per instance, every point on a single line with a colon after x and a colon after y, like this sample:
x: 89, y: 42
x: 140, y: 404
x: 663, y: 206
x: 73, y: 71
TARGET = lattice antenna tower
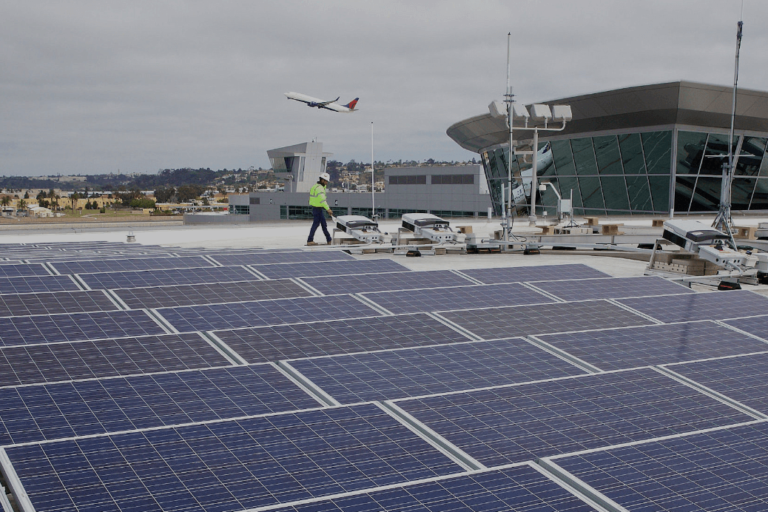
x: 723, y: 221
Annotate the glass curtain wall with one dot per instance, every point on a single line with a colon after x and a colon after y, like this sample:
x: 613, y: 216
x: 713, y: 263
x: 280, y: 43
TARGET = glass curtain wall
x: 700, y: 157
x: 615, y: 174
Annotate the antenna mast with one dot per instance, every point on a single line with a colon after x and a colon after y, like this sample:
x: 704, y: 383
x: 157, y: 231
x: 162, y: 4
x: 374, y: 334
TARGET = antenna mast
x: 723, y: 221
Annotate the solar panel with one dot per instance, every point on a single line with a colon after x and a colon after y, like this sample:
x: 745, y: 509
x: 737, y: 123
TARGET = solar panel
x: 275, y: 312
x: 615, y: 349
x: 533, y: 273
x: 329, y: 268
x: 527, y: 421
x: 88, y: 407
x: 443, y: 299
x: 55, y: 362
x: 742, y: 378
x: 147, y: 278
x: 519, y: 488
x: 129, y: 264
x: 506, y: 322
x: 230, y: 465
x: 27, y: 330
x: 34, y: 284
x: 55, y: 302
x: 611, y: 288
x: 281, y: 257
x: 197, y: 294
x: 337, y: 337
x: 390, y: 281
x: 757, y: 325
x: 720, y: 470
x: 430, y: 370
x: 22, y: 270
x: 700, y: 306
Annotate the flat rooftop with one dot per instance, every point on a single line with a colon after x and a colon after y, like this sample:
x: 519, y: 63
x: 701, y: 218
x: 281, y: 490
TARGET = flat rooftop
x: 190, y: 370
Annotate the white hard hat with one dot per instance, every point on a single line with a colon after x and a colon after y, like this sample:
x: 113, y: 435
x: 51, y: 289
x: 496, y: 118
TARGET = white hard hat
x: 325, y: 176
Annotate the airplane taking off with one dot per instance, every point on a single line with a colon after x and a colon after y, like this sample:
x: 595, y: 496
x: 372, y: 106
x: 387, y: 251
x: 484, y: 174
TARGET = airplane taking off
x: 328, y: 105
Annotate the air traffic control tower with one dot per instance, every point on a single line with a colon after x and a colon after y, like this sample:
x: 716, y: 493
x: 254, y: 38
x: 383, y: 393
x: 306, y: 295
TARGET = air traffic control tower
x: 299, y: 165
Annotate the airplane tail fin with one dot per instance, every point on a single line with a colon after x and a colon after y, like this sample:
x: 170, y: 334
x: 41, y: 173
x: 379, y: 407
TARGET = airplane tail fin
x: 351, y: 104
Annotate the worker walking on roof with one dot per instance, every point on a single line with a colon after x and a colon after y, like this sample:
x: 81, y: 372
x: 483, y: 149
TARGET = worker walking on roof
x: 319, y: 204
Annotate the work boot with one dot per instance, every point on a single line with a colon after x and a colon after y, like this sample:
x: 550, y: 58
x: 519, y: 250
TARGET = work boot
x: 329, y: 242
x: 311, y: 243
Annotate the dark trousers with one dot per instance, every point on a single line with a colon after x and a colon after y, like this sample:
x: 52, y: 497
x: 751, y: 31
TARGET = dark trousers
x: 318, y: 220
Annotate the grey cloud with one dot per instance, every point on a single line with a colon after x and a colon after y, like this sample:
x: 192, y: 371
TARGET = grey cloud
x: 96, y: 86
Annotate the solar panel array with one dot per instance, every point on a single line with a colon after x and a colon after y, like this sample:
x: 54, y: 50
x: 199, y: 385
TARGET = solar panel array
x: 194, y: 380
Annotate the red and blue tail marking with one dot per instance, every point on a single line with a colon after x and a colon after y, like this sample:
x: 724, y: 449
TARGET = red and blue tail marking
x: 351, y: 104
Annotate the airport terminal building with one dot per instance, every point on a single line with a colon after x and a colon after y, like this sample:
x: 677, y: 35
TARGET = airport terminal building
x: 654, y: 149
x: 446, y: 191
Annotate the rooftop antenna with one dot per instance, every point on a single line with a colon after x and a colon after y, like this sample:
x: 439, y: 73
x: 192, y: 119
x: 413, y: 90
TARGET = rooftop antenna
x: 723, y: 221
x: 509, y: 99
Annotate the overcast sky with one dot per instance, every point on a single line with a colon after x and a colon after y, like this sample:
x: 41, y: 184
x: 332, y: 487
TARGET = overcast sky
x: 97, y: 86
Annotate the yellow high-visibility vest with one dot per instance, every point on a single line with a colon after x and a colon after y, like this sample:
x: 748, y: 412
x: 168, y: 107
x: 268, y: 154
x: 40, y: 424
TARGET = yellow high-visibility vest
x: 317, y: 196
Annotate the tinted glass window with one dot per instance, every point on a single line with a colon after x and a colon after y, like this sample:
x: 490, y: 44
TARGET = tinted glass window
x: 657, y: 147
x: 615, y: 192
x: 660, y: 192
x: 684, y: 186
x: 715, y: 155
x: 561, y: 149
x: 690, y: 150
x: 608, y: 156
x: 752, y: 152
x: 741, y: 192
x: 760, y: 197
x: 584, y: 156
x: 632, y: 153
x: 707, y: 195
x: 639, y: 193
x: 590, y: 193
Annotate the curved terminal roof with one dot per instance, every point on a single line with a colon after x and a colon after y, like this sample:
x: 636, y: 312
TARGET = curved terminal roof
x: 683, y: 103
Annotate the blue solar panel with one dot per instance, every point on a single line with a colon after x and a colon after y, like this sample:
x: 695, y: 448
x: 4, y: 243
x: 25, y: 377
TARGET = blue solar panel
x: 129, y: 264
x: 281, y: 257
x: 431, y: 370
x: 22, y: 270
x: 210, y: 293
x: 54, y: 302
x: 55, y: 362
x: 519, y: 488
x: 34, y: 284
x: 611, y: 288
x: 28, y: 330
x: 463, y: 297
x: 229, y: 465
x: 523, y: 422
x: 143, y: 279
x: 329, y: 268
x: 262, y: 344
x: 756, y: 325
x: 745, y: 378
x: 267, y: 312
x: 533, y: 273
x: 81, y: 408
x: 390, y: 281
x: 615, y: 349
x: 724, y: 470
x: 491, y: 323
x: 700, y: 306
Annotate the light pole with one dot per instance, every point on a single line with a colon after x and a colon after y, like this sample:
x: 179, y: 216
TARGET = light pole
x: 373, y: 181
